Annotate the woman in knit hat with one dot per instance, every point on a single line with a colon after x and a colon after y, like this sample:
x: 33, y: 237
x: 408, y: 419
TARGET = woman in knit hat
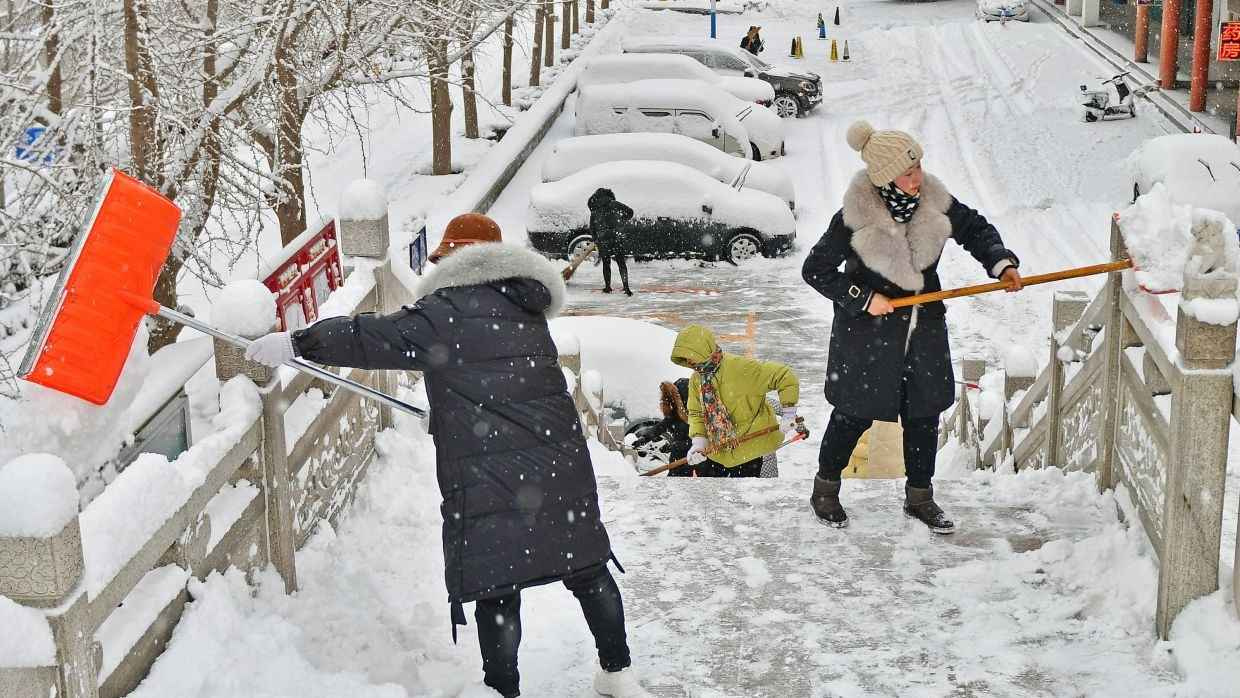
x: 886, y: 363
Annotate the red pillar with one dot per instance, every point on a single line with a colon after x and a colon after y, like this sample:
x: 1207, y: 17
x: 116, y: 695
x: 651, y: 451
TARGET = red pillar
x: 1142, y: 53
x: 1201, y: 55
x: 1169, y: 55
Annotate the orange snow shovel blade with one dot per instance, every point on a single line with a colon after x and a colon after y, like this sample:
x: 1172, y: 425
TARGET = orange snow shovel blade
x: 89, y: 322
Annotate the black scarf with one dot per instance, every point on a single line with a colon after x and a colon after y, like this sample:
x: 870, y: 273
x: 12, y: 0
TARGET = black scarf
x: 900, y: 205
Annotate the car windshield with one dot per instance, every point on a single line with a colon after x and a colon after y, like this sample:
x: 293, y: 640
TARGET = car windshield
x: 758, y: 62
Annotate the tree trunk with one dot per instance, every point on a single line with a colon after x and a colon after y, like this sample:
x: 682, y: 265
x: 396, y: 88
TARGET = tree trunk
x: 566, y: 22
x: 468, y: 97
x: 143, y: 96
x: 589, y: 11
x: 549, y: 36
x: 605, y: 4
x: 164, y: 332
x: 51, y: 47
x: 576, y: 16
x: 536, y: 53
x: 506, y: 87
x: 441, y: 108
x: 290, y: 208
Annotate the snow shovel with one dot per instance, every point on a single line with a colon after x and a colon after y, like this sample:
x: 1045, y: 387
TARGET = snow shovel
x: 802, y: 434
x: 1108, y: 268
x: 576, y: 261
x: 88, y: 325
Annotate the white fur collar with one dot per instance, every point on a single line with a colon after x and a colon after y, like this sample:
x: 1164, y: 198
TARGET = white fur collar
x: 898, y: 251
x: 482, y: 263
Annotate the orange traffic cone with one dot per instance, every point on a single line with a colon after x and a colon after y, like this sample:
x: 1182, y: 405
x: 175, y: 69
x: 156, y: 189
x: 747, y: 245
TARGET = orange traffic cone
x: 835, y: 54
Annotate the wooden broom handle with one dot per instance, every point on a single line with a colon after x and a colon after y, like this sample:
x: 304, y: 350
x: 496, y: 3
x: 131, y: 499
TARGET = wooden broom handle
x: 678, y: 463
x: 1034, y: 280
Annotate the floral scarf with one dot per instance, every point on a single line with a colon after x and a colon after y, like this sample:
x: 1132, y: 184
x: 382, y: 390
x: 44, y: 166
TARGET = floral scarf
x: 900, y: 204
x: 720, y: 432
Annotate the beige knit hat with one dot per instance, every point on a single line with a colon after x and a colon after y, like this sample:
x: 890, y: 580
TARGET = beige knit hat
x: 887, y: 154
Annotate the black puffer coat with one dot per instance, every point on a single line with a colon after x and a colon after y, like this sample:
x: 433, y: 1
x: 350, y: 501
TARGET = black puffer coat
x: 868, y: 354
x: 520, y: 505
x: 607, y: 219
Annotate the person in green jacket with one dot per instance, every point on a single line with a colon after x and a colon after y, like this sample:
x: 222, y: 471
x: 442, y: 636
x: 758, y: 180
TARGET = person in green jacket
x: 727, y: 402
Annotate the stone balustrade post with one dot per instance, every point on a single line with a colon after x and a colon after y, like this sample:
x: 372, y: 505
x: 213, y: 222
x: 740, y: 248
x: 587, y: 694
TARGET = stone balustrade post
x: 1201, y: 408
x: 277, y: 485
x: 364, y: 232
x: 971, y: 370
x: 1116, y: 330
x: 1068, y: 308
x: 45, y: 572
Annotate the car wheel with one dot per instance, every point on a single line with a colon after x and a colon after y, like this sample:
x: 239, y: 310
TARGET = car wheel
x: 579, y: 245
x: 786, y: 106
x: 757, y: 154
x: 744, y: 247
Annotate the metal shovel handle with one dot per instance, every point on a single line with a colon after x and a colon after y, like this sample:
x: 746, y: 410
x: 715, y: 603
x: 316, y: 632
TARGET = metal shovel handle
x: 303, y: 366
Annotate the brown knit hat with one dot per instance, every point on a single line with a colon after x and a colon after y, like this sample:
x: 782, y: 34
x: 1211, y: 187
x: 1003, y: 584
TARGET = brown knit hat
x: 466, y: 229
x: 887, y: 154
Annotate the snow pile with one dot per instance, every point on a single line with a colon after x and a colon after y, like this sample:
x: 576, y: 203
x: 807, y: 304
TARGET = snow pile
x: 38, y: 496
x: 1198, y: 169
x: 631, y: 67
x: 632, y: 356
x: 84, y: 436
x: 1166, y: 238
x: 246, y: 308
x: 566, y: 343
x: 27, y: 638
x: 119, y: 521
x: 1019, y: 362
x: 604, y: 109
x: 363, y: 200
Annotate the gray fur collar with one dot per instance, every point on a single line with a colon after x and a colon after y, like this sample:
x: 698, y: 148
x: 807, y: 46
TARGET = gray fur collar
x: 482, y: 263
x: 898, y: 251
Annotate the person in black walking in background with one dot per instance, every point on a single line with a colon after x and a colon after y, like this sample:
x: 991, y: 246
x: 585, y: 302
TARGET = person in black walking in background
x: 752, y: 42
x: 607, y: 217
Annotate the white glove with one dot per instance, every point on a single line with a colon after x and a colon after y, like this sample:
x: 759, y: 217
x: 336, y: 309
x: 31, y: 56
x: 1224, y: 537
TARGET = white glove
x: 787, y: 418
x: 271, y: 350
x: 697, y: 452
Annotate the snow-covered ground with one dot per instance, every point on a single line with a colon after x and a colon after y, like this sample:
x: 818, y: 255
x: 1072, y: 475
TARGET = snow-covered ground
x: 732, y: 589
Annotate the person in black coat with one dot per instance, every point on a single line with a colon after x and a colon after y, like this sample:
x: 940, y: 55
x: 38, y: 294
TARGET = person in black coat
x: 673, y: 429
x: 607, y: 219
x: 520, y: 503
x: 886, y: 363
x: 752, y: 42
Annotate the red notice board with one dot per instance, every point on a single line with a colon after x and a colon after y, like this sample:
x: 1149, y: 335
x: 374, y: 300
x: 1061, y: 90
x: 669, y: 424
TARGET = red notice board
x: 302, y: 279
x: 1229, y: 41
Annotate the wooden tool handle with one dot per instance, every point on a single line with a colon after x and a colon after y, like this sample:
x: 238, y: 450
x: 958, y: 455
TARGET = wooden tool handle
x: 1034, y: 280
x: 678, y: 463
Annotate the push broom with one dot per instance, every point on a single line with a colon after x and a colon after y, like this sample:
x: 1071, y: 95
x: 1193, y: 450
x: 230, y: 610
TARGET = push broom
x: 89, y: 322
x: 1076, y: 273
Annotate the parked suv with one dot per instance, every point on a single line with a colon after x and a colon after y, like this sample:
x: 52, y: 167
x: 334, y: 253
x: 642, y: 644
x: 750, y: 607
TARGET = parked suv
x: 796, y: 93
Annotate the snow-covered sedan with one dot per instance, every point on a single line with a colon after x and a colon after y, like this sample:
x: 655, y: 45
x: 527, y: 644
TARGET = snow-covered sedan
x: 1201, y: 169
x: 573, y: 155
x: 677, y: 212
x: 1003, y: 10
x: 603, y: 70
x: 690, y: 107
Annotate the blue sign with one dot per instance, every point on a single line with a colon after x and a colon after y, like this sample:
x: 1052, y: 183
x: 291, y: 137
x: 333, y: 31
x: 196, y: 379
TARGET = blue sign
x: 418, y: 252
x: 27, y: 150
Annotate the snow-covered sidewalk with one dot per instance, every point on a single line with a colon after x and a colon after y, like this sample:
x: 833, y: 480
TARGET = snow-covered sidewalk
x: 732, y: 590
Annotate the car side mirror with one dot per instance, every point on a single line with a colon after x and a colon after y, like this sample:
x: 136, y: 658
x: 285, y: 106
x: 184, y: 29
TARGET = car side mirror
x: 714, y: 132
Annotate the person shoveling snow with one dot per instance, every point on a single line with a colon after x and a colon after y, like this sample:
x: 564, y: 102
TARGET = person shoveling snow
x: 886, y: 363
x: 520, y: 500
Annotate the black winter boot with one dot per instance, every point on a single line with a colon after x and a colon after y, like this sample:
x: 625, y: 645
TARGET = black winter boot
x: 919, y: 504
x: 826, y: 503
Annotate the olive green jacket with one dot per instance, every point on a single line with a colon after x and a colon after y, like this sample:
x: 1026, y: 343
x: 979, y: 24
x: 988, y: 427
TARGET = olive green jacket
x: 742, y: 385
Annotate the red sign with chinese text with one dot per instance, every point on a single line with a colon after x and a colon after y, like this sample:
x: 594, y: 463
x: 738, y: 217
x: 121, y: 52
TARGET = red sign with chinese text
x: 1229, y: 41
x: 304, y: 279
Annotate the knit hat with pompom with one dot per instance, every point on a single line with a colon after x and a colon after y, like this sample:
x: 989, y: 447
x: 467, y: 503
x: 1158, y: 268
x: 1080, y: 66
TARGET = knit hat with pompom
x: 887, y: 154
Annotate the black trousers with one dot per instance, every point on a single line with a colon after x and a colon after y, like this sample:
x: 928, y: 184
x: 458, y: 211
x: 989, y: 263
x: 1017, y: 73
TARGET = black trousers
x: 709, y: 468
x: 499, y: 627
x: 620, y: 264
x: 921, y: 440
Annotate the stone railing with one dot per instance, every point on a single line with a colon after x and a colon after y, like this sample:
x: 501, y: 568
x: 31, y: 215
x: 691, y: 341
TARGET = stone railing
x: 112, y: 583
x: 1140, y: 397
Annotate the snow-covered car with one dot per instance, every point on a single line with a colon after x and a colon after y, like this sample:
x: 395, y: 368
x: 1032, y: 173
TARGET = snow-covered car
x: 1201, y: 169
x: 689, y: 107
x: 796, y: 92
x: 1003, y: 10
x: 572, y: 155
x: 677, y: 212
x: 603, y: 70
